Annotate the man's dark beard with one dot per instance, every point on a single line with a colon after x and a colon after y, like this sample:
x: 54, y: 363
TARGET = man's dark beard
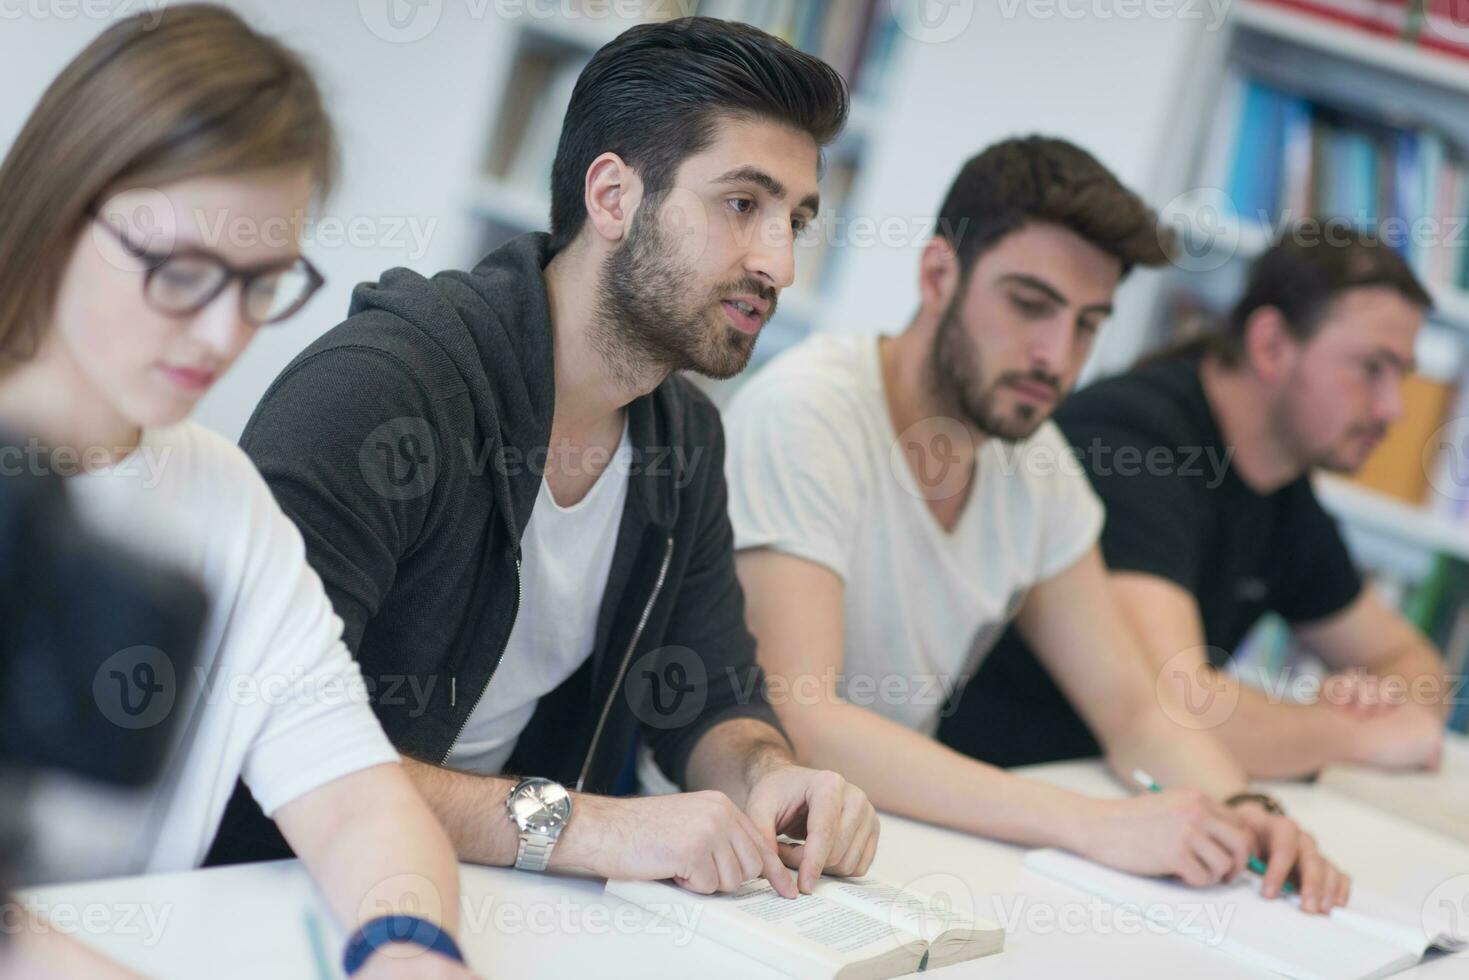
x: 641, y: 324
x: 958, y: 380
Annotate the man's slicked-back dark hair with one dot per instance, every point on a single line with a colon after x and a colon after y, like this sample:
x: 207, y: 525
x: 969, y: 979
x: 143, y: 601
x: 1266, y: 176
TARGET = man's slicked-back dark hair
x: 1042, y: 179
x: 655, y: 94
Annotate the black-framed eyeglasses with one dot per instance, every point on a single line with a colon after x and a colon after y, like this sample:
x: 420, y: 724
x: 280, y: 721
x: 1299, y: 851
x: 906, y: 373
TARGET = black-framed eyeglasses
x: 187, y: 280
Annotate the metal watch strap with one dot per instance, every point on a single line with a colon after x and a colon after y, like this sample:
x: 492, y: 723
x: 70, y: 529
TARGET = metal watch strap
x: 534, y: 853
x: 1269, y: 803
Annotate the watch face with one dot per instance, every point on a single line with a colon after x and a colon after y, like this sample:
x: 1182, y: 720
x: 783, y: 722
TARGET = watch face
x: 540, y: 806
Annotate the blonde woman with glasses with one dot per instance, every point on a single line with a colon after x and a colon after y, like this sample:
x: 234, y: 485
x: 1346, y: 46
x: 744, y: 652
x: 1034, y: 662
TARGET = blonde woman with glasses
x: 119, y: 309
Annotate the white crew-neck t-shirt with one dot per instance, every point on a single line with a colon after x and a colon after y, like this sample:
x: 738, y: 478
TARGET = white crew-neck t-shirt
x: 566, y: 556
x: 273, y: 696
x: 815, y: 470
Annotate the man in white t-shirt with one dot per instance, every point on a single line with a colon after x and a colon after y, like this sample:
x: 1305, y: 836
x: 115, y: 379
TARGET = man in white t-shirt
x: 898, y: 500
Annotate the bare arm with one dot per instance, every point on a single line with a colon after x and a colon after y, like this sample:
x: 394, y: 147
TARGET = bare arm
x: 471, y: 808
x: 1369, y: 636
x: 35, y: 949
x: 745, y: 787
x: 373, y: 848
x: 1272, y: 739
x: 1078, y: 631
x: 795, y: 610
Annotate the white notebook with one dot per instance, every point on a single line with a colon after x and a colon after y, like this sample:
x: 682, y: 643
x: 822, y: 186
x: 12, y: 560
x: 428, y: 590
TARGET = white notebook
x: 848, y: 928
x: 1371, y: 937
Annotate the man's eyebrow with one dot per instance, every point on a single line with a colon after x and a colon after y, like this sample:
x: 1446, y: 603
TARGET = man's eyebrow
x: 1405, y: 364
x: 767, y: 183
x: 1041, y: 285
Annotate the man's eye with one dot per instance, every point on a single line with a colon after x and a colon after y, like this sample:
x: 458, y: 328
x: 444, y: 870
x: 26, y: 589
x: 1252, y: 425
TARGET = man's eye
x: 741, y: 205
x: 1372, y: 369
x: 1030, y: 307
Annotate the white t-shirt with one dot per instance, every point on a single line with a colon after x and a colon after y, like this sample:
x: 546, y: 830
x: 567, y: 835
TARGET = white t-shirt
x: 273, y: 696
x: 815, y: 471
x: 566, y: 555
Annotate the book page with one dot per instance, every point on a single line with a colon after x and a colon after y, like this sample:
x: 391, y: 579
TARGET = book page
x: 1236, y: 919
x: 807, y: 936
x: 816, y: 919
x: 1374, y: 915
x: 907, y: 911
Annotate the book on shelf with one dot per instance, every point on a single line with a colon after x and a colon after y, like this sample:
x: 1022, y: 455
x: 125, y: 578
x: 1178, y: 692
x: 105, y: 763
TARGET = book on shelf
x: 1373, y: 936
x: 847, y: 928
x: 856, y: 37
x: 1397, y: 467
x: 828, y: 231
x: 531, y: 159
x: 1291, y: 159
x: 1438, y: 607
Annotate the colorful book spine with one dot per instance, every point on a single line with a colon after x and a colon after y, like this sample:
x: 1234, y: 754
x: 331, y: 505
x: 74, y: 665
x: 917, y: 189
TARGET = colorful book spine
x: 1292, y: 160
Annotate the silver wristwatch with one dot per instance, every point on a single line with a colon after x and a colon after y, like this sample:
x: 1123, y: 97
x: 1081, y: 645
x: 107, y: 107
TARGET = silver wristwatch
x: 541, y: 809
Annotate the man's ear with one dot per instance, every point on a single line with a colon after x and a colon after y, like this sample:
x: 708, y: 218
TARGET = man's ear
x: 1270, y: 347
x: 611, y: 196
x: 938, y: 275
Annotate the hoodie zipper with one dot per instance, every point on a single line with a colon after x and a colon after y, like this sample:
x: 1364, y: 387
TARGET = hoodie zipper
x: 626, y: 658
x: 454, y: 678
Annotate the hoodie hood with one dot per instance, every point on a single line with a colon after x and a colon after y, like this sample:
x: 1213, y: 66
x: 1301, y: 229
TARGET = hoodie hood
x: 493, y: 325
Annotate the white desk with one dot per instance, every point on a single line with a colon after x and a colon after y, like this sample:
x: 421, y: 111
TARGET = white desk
x: 250, y: 921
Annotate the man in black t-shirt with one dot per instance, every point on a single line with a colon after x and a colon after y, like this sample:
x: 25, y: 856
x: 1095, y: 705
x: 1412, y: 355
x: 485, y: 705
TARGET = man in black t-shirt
x: 1203, y: 458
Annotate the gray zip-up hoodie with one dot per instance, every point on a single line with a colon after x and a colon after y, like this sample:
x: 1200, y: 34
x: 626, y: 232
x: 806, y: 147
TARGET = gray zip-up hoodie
x: 408, y: 444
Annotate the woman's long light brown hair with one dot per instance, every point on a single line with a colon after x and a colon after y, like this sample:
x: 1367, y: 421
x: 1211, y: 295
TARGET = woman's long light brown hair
x: 190, y: 91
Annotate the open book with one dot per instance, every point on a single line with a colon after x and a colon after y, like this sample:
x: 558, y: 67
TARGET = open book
x: 852, y: 928
x: 1436, y: 800
x: 1371, y: 937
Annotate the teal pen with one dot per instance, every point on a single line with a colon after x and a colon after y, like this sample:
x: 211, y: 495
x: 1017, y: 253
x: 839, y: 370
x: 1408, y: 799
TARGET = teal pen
x: 318, y: 946
x: 1254, y: 863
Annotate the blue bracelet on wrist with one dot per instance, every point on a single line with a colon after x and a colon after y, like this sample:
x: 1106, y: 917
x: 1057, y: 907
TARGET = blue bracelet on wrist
x: 388, y: 929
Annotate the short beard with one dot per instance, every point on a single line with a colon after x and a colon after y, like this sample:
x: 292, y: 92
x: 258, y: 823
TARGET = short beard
x: 640, y: 329
x: 958, y: 380
x: 1286, y: 409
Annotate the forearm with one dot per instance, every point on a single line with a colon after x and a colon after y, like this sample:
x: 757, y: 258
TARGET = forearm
x: 1284, y: 740
x: 35, y: 949
x: 932, y: 782
x: 472, y: 810
x: 1172, y: 753
x: 1414, y: 676
x: 732, y: 755
x: 373, y: 848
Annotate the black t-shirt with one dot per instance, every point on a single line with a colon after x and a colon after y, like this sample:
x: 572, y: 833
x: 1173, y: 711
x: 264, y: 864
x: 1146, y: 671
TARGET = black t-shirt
x: 1175, y: 509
